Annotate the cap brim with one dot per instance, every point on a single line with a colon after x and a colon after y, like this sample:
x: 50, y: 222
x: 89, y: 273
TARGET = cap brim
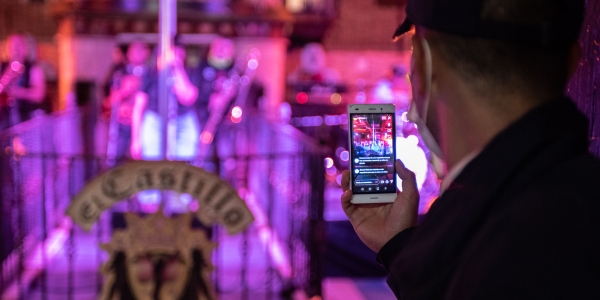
x: 405, y: 27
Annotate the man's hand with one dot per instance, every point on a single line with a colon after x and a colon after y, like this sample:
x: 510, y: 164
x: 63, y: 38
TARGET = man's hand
x: 376, y: 224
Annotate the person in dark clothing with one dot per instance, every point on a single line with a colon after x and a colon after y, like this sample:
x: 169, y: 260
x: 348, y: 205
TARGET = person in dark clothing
x: 22, y: 82
x: 215, y: 69
x: 126, y: 91
x: 135, y: 61
x: 519, y: 213
x: 183, y: 142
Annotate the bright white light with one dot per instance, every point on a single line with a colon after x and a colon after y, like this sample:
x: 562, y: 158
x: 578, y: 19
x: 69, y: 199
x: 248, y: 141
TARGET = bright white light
x: 413, y: 157
x: 412, y: 139
x: 328, y: 162
x: 252, y: 64
x: 236, y: 112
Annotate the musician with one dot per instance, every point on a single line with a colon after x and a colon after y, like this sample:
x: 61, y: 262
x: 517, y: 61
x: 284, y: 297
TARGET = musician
x: 134, y: 62
x: 23, y: 85
x: 129, y: 102
x: 183, y: 135
x: 215, y: 69
x: 185, y: 94
x: 221, y: 72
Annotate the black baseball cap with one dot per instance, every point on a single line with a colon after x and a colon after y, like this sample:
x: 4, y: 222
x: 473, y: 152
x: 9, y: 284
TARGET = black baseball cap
x: 464, y: 18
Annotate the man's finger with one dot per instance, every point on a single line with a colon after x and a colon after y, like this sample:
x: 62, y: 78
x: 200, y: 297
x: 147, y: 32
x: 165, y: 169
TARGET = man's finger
x: 347, y: 201
x: 409, y: 181
x: 347, y: 195
x: 345, y: 180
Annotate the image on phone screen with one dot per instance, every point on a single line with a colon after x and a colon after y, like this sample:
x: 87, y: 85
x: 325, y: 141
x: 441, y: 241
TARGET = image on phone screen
x: 372, y: 156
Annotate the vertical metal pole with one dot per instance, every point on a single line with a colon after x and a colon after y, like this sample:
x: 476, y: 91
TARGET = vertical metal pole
x: 44, y: 230
x: 316, y: 225
x: 71, y: 241
x: 20, y: 222
x: 167, y: 18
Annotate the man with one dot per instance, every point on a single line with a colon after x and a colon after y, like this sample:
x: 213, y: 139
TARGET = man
x: 183, y: 133
x: 184, y: 139
x: 128, y: 82
x: 135, y: 62
x: 216, y: 69
x: 519, y: 214
x: 22, y: 82
x: 129, y: 103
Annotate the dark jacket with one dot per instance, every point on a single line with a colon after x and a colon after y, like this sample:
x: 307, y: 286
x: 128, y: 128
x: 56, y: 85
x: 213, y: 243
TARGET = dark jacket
x: 521, y: 221
x: 26, y: 109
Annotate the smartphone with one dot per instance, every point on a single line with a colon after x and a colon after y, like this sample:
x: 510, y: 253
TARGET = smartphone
x: 372, y: 136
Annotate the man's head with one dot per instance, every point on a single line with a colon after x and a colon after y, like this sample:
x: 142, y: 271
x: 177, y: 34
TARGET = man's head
x: 312, y: 58
x: 221, y: 52
x: 502, y: 45
x: 138, y: 53
x: 17, y: 48
x: 129, y: 85
x: 508, y: 55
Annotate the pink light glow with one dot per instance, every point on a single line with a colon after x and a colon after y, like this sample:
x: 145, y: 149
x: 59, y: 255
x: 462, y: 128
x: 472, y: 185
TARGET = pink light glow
x: 206, y: 137
x: 302, y: 98
x: 15, y: 66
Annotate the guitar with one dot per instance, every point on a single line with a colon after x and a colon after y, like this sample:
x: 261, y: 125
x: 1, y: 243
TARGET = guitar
x: 221, y: 99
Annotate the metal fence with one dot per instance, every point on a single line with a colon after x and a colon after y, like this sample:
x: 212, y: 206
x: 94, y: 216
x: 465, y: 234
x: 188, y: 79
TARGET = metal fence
x: 47, y: 160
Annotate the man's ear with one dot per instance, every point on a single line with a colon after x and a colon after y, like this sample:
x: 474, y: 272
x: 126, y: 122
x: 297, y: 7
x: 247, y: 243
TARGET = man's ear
x: 418, y: 67
x: 573, y: 59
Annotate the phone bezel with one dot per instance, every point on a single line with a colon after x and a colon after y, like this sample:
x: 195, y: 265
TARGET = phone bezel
x: 370, y: 109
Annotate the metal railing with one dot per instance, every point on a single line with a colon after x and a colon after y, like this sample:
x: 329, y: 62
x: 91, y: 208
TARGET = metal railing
x: 47, y: 160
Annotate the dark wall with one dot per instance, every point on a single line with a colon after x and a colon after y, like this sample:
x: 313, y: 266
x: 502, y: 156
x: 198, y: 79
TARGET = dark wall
x: 584, y: 86
x: 29, y: 16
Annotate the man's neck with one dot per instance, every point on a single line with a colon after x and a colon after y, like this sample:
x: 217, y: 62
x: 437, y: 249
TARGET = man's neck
x: 472, y: 122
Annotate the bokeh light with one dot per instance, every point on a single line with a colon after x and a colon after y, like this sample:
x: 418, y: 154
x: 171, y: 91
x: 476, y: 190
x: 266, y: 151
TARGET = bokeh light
x: 328, y: 162
x: 302, y: 98
x: 336, y: 98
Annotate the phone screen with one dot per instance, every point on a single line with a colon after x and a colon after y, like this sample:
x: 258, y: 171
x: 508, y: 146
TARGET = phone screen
x: 373, y: 141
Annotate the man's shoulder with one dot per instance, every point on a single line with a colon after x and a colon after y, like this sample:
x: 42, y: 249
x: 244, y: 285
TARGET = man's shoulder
x: 571, y: 188
x: 581, y: 171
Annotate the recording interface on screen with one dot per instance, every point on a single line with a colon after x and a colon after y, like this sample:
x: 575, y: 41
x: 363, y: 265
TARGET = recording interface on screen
x: 373, y: 138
